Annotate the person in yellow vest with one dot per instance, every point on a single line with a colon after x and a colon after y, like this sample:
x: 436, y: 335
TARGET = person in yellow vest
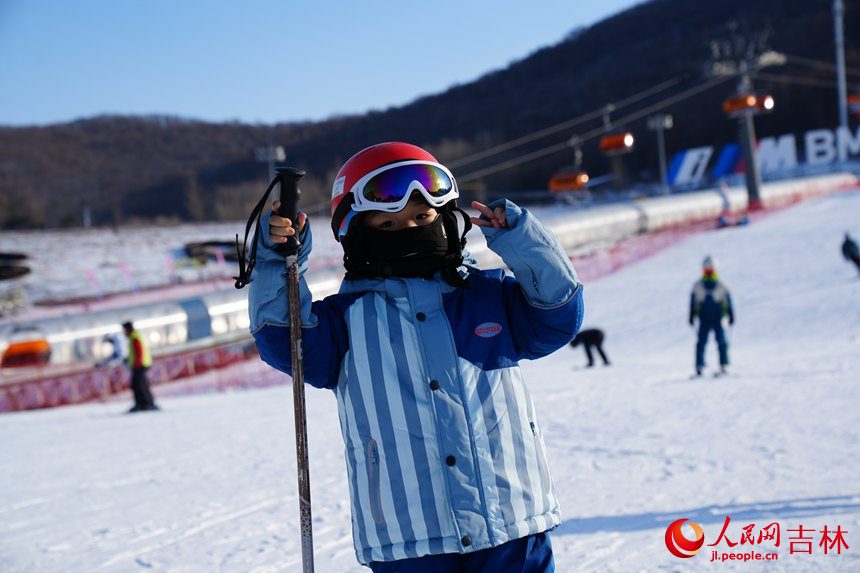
x: 139, y: 361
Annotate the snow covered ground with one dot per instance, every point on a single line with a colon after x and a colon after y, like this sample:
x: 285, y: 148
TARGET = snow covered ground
x: 209, y: 483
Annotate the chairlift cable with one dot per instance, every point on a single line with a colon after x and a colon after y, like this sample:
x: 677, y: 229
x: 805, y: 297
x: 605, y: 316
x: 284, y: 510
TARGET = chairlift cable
x: 563, y: 125
x: 695, y: 90
x: 798, y: 80
x: 823, y: 65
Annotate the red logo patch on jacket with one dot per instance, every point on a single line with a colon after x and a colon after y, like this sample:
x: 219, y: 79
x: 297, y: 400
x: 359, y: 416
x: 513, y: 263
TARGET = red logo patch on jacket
x: 488, y: 329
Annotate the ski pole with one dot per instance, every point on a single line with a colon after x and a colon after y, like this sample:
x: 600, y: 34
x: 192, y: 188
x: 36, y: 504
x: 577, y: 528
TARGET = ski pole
x: 289, y: 181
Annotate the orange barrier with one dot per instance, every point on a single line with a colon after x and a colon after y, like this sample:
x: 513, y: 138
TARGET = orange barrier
x: 26, y: 353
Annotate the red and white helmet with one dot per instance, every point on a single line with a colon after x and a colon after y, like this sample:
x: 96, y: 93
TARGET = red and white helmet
x: 359, y: 185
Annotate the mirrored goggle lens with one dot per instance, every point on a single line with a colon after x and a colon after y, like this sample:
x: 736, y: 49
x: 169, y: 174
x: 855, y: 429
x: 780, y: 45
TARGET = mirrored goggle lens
x: 392, y: 185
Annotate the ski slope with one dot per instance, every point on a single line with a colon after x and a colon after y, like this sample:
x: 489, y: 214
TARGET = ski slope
x: 209, y: 483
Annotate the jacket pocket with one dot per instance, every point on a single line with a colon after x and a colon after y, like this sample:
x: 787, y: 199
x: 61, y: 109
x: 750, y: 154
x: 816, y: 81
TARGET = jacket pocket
x: 372, y: 461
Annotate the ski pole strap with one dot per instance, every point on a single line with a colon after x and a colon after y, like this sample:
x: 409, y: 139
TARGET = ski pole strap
x: 246, y: 265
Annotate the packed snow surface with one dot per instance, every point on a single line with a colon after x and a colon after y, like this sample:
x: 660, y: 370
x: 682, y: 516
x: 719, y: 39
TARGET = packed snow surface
x: 209, y: 483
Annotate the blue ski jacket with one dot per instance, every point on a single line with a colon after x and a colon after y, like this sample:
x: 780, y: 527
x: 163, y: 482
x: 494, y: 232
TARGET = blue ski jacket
x: 711, y: 301
x: 443, y: 449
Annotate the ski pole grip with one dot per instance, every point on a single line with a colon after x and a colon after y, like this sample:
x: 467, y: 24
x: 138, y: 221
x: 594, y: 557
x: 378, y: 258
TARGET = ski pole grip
x: 288, y: 177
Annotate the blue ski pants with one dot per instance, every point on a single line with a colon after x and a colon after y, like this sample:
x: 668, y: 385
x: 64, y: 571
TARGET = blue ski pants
x: 705, y: 328
x: 531, y: 554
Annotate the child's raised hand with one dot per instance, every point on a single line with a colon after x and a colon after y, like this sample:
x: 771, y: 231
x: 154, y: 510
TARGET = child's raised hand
x: 497, y: 217
x: 280, y: 228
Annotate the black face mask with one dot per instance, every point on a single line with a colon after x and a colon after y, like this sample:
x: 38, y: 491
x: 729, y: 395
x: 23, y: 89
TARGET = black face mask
x: 412, y: 252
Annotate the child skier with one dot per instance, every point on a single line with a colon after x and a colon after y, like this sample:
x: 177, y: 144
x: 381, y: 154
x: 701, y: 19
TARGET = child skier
x: 445, y: 460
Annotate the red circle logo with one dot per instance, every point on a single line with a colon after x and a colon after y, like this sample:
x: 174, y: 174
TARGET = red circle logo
x: 488, y: 329
x: 680, y: 546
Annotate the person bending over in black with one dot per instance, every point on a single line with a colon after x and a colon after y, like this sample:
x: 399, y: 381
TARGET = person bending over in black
x: 850, y: 251
x: 591, y: 338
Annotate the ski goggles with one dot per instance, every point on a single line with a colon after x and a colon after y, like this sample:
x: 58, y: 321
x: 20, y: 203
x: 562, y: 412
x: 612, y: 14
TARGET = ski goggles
x: 389, y: 187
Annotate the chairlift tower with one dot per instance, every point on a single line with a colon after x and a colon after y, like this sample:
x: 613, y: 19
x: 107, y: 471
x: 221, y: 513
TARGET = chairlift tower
x: 744, y: 106
x: 660, y: 123
x: 739, y: 58
x: 841, y: 85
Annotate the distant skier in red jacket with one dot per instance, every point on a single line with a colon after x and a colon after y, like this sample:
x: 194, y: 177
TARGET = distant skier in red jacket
x: 139, y: 361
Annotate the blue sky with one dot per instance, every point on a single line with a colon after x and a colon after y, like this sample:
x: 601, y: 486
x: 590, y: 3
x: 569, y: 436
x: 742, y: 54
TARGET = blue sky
x: 260, y: 61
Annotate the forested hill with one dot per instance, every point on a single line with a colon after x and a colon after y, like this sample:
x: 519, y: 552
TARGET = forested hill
x: 659, y: 56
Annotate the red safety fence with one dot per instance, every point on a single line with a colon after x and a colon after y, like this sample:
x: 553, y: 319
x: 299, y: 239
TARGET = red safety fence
x: 598, y: 263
